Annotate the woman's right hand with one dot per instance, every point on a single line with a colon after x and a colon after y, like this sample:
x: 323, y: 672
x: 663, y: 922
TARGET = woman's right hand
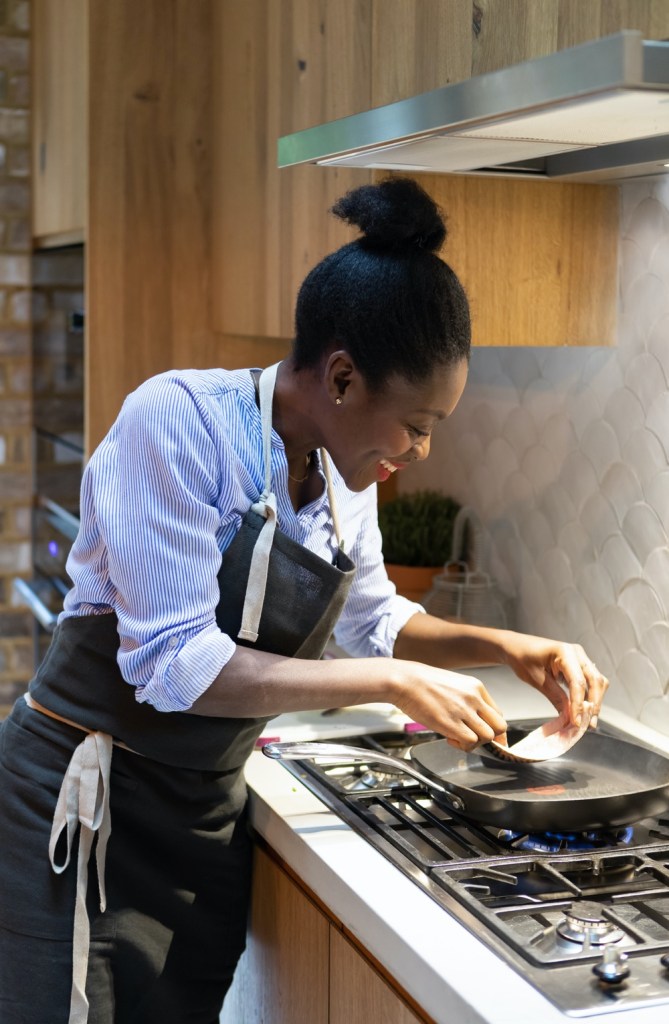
x: 456, y: 706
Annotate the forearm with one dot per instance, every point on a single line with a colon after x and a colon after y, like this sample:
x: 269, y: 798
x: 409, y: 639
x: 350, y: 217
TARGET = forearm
x: 450, y: 645
x: 254, y: 683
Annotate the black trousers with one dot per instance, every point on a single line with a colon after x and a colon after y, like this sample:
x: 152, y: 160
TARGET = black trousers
x: 177, y: 876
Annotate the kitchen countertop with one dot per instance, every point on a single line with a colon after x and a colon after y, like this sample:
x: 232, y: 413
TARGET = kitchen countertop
x: 442, y: 965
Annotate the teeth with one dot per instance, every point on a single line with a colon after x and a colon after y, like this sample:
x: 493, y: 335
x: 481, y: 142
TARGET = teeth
x: 388, y: 465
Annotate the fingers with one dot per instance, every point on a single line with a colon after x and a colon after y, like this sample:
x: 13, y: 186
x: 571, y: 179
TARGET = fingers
x: 585, y: 682
x: 480, y: 720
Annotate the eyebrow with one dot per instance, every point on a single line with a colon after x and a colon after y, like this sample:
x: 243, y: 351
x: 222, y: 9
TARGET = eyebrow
x: 437, y: 413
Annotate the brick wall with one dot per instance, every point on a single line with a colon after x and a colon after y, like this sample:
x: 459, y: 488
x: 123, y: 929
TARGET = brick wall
x: 15, y: 342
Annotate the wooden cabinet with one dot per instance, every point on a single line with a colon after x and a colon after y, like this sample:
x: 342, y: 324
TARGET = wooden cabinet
x: 526, y: 251
x: 299, y: 968
x: 358, y: 992
x: 279, y: 65
x: 283, y: 974
x: 59, y: 123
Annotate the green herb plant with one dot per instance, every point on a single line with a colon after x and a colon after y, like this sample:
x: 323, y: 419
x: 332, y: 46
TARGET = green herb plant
x: 417, y: 528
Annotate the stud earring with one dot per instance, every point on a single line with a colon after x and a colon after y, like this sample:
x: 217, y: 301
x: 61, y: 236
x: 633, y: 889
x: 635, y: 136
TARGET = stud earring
x: 338, y: 400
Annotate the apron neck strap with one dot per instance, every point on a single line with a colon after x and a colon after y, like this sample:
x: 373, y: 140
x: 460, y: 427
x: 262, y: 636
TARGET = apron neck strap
x: 266, y: 395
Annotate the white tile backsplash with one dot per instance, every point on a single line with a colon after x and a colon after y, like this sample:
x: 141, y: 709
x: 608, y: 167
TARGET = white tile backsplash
x: 564, y: 452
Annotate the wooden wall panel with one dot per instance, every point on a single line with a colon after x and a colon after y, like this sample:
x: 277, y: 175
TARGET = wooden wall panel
x: 281, y: 66
x: 148, y: 251
x: 582, y: 20
x: 538, y: 259
x: 418, y: 45
x: 510, y: 31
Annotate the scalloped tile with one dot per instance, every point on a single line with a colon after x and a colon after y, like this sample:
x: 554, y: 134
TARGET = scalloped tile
x: 645, y: 378
x: 595, y: 584
x: 578, y: 478
x: 657, y: 495
x: 643, y: 451
x: 535, y: 531
x: 558, y: 436
x: 558, y: 507
x: 658, y: 420
x: 640, y: 678
x: 555, y: 569
x: 643, y: 531
x: 621, y: 563
x: 641, y: 603
x: 659, y: 260
x: 617, y: 631
x: 577, y: 543
x: 656, y: 714
x: 519, y: 429
x: 656, y: 572
x: 575, y: 615
x: 657, y: 343
x: 647, y: 293
x: 624, y: 412
x: 540, y: 466
x: 599, y: 519
x: 622, y: 487
x: 517, y: 492
x: 655, y: 644
x: 599, y: 444
x: 577, y: 508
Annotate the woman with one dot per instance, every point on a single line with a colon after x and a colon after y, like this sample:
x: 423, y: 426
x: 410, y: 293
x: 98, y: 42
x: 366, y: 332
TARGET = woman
x: 181, y: 656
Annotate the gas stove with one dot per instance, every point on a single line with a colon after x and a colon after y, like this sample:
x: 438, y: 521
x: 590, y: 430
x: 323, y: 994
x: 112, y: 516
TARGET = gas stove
x: 584, y: 917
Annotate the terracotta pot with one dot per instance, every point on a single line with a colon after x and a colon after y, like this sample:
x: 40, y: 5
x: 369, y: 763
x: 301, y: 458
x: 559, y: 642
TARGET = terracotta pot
x: 412, y: 581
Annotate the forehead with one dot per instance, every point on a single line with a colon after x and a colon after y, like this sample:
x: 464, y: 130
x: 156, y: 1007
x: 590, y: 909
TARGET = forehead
x: 435, y: 397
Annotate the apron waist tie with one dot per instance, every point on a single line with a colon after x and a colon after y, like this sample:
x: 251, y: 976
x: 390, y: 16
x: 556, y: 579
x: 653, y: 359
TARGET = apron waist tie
x: 83, y: 802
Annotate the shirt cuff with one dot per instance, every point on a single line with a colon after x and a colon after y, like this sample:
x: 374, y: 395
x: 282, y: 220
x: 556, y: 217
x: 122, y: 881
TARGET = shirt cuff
x: 382, y: 639
x: 181, y: 678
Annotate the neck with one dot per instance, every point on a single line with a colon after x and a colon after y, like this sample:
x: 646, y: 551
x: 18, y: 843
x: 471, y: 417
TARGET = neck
x: 295, y: 398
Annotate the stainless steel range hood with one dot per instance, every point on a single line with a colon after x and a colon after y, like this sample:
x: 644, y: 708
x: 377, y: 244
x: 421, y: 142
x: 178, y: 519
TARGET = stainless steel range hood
x: 595, y: 112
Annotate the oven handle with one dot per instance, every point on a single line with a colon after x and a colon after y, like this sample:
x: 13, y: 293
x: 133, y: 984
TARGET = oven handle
x: 26, y: 593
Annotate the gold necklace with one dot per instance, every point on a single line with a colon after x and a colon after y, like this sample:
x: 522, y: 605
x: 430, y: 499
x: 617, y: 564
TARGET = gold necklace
x: 307, y: 466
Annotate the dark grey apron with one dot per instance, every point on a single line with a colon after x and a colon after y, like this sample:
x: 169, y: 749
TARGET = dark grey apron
x: 178, y: 855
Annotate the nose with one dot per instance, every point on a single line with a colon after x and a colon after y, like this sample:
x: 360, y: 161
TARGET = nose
x: 421, y: 448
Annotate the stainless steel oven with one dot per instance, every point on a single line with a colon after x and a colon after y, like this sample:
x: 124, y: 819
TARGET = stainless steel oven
x: 55, y: 523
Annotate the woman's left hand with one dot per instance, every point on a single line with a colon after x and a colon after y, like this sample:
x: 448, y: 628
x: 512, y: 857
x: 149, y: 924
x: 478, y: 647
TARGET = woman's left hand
x: 561, y: 671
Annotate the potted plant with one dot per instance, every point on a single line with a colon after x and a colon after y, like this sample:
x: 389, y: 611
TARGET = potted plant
x: 417, y: 531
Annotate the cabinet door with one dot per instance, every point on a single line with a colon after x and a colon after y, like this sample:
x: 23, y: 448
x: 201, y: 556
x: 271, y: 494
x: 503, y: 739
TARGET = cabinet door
x: 59, y: 121
x: 279, y: 67
x: 359, y: 993
x: 282, y: 977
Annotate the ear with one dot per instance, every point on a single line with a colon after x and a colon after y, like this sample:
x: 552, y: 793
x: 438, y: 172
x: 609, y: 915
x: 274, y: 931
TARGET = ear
x: 340, y: 373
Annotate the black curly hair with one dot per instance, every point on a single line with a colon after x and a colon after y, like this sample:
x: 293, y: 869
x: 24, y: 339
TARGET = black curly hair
x: 386, y: 297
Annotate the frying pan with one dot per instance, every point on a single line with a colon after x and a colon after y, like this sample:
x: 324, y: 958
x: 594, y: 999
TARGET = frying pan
x: 602, y: 782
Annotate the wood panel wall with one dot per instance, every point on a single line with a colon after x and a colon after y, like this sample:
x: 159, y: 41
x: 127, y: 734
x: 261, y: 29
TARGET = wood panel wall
x: 149, y: 241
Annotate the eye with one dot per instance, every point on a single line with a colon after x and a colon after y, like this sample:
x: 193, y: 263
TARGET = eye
x: 416, y: 432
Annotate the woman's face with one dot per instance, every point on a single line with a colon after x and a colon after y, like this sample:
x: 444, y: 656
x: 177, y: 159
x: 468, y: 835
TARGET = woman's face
x: 376, y: 435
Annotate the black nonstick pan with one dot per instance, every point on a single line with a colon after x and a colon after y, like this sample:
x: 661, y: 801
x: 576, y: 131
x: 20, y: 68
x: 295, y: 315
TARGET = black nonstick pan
x: 602, y: 782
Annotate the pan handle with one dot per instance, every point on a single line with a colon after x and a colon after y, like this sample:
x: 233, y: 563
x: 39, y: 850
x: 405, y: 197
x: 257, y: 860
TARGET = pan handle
x: 345, y: 754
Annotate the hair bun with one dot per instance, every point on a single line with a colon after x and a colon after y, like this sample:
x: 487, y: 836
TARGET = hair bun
x: 395, y: 213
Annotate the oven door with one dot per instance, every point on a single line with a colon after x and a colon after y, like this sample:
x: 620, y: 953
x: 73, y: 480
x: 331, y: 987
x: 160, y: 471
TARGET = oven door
x: 54, y: 532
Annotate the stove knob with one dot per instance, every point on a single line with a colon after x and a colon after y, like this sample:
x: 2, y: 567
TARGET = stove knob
x: 612, y: 968
x: 664, y: 960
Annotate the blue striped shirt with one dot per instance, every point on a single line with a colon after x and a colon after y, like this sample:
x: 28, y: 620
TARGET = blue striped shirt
x: 163, y: 496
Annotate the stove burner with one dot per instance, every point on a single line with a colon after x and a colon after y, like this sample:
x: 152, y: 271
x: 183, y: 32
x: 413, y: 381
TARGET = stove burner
x: 556, y: 842
x: 585, y: 923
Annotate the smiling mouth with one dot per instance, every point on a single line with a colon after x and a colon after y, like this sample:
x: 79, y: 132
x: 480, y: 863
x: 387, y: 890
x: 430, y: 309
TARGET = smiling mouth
x: 388, y: 465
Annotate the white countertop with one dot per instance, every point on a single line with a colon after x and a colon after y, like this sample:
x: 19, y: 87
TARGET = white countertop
x: 442, y: 965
